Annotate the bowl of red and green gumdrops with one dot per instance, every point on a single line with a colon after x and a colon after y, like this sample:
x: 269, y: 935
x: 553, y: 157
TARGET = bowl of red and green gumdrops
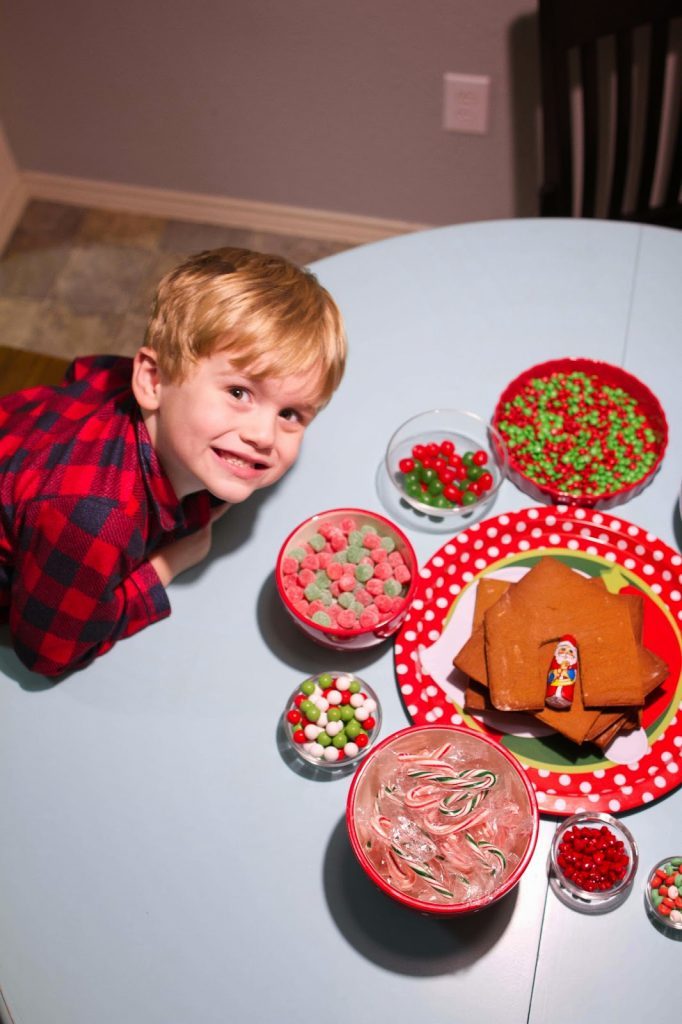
x: 347, y: 577
x: 447, y: 463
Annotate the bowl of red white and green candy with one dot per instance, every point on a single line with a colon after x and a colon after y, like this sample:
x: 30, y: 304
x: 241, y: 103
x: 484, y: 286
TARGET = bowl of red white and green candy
x: 332, y: 719
x: 346, y: 577
x: 581, y: 432
x: 447, y: 463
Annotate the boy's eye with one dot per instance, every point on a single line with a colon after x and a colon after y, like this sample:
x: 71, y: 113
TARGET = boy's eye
x: 237, y: 392
x: 291, y: 415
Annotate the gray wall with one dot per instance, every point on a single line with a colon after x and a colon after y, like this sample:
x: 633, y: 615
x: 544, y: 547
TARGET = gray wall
x: 327, y: 104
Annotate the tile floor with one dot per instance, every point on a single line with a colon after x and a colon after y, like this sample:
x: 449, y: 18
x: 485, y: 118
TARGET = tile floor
x: 79, y: 281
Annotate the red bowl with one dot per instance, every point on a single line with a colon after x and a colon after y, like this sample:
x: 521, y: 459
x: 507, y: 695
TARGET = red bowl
x: 477, y: 750
x: 613, y: 376
x: 334, y: 637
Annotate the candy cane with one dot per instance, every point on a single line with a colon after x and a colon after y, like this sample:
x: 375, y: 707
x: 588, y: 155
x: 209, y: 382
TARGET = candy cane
x: 437, y: 755
x: 422, y: 870
x: 482, y: 848
x: 422, y: 796
x: 458, y: 805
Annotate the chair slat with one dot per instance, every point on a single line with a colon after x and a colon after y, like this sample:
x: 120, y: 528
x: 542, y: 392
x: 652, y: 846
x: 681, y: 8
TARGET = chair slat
x: 623, y: 119
x: 588, y: 69
x: 655, y: 80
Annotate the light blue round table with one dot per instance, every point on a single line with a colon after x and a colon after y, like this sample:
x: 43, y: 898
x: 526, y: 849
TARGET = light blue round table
x: 162, y: 863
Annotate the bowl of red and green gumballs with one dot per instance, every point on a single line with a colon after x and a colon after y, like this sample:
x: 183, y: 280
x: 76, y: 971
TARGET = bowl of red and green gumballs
x: 447, y: 464
x: 332, y: 719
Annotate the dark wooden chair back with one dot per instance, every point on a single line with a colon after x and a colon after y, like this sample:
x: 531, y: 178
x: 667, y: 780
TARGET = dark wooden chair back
x: 21, y: 369
x: 625, y: 161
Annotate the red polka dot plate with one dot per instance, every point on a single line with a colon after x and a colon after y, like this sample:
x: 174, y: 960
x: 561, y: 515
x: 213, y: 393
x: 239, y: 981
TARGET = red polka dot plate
x: 636, y: 768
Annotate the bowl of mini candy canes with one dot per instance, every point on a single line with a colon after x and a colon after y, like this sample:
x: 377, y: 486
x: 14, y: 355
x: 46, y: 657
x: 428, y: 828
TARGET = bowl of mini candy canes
x: 442, y: 819
x: 447, y: 463
x: 346, y: 577
x: 332, y: 719
x: 663, y: 896
x: 592, y: 862
x: 581, y: 432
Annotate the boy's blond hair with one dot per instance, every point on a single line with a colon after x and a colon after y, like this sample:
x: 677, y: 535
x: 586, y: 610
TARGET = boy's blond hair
x: 272, y: 317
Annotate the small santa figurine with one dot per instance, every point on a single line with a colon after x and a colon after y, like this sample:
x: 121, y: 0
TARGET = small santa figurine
x: 562, y: 674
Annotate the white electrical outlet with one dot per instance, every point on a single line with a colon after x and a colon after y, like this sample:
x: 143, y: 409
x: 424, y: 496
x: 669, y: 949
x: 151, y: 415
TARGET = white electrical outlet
x: 465, y: 103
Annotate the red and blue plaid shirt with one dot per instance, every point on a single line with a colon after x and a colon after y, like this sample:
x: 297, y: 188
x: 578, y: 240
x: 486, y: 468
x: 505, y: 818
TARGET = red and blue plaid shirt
x: 83, y: 502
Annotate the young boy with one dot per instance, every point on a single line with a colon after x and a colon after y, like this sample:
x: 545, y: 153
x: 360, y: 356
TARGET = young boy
x: 110, y: 483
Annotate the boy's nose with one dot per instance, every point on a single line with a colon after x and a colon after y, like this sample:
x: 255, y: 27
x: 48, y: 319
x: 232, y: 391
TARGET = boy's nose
x: 259, y: 431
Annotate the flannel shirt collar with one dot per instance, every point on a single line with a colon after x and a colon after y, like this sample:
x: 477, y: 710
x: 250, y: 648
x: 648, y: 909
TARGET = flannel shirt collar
x: 162, y: 498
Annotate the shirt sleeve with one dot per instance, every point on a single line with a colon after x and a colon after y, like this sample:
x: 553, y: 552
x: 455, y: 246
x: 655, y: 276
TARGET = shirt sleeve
x: 81, y: 582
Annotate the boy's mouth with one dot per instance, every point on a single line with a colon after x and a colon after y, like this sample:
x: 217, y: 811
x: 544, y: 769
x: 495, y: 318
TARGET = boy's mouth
x: 238, y: 461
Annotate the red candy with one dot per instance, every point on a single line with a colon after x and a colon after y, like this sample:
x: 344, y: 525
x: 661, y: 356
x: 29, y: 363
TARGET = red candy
x: 439, y: 476
x: 593, y: 859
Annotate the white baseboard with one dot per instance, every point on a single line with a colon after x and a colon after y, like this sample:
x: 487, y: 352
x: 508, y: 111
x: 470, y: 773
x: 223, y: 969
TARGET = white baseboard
x: 223, y: 211
x: 12, y: 202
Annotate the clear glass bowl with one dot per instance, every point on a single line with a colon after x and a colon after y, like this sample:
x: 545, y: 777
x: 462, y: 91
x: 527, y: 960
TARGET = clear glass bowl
x: 667, y: 922
x: 574, y: 895
x: 308, y: 751
x: 469, y: 433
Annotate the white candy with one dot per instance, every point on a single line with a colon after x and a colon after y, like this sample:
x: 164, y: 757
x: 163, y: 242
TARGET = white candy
x: 322, y: 720
x: 322, y: 703
x: 332, y: 728
x: 351, y: 749
x: 361, y: 714
x: 330, y: 754
x: 334, y: 697
x: 357, y: 700
x: 316, y: 749
x: 672, y: 892
x: 370, y: 704
x: 317, y: 692
x: 676, y: 916
x: 343, y: 682
x: 312, y: 731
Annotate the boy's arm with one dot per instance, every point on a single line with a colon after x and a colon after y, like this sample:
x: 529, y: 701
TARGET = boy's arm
x: 78, y: 584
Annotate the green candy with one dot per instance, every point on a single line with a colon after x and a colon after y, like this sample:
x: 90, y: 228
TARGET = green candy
x: 297, y: 553
x: 347, y: 713
x: 468, y: 498
x: 353, y: 729
x: 334, y: 713
x: 392, y: 588
x: 322, y: 619
x: 388, y: 544
x: 324, y: 739
x: 308, y: 687
x: 340, y: 739
x: 313, y: 592
x: 313, y: 713
x: 354, y: 555
x: 354, y: 686
x: 345, y: 599
x: 364, y: 573
x: 316, y: 542
x: 325, y: 680
x: 355, y: 539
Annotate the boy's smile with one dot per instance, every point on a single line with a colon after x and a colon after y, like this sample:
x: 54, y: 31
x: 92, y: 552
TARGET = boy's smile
x: 225, y: 431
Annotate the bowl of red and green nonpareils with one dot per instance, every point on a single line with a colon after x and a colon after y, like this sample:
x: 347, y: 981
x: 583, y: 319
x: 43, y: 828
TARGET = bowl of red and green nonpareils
x: 447, y: 464
x: 332, y: 719
x: 581, y: 432
x: 346, y: 577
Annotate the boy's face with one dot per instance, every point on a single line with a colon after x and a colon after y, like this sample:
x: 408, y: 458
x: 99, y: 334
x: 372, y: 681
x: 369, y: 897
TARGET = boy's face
x: 222, y: 430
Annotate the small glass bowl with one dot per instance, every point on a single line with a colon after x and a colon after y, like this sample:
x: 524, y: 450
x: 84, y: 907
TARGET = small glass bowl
x: 468, y: 432
x: 575, y: 896
x: 668, y: 924
x: 320, y: 759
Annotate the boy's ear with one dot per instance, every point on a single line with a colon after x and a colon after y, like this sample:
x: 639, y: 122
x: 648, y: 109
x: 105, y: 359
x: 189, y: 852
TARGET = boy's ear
x: 146, y: 380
